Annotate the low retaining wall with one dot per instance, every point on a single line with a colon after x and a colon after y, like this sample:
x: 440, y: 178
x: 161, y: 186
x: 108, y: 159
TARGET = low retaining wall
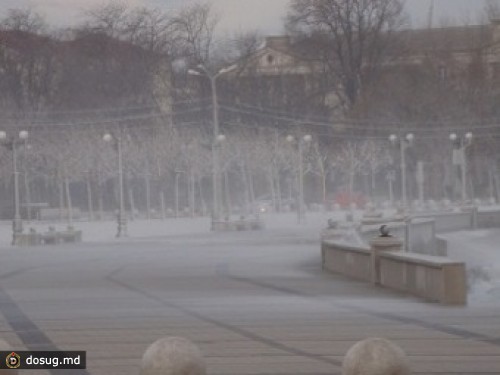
x: 347, y: 260
x: 422, y: 270
x: 451, y: 221
x: 488, y: 219
x: 434, y: 278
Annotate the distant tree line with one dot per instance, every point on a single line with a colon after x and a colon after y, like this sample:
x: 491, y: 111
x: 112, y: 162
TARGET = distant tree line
x: 126, y: 68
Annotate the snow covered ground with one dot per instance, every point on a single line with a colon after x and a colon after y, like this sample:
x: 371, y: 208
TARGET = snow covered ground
x: 480, y: 251
x: 103, y: 231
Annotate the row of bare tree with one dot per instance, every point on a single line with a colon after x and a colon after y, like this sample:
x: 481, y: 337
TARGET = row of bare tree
x: 168, y: 171
x: 127, y: 67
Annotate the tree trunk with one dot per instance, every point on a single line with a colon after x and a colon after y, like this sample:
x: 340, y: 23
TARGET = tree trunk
x: 372, y: 190
x: 89, y: 199
x: 27, y: 197
x: 278, y: 189
x: 351, y: 187
x: 202, y: 198
x: 61, y: 199
x: 252, y: 193
x: 131, y: 200
x: 323, y: 187
x: 245, y: 188
x: 271, y: 185
x: 228, y: 193
x: 68, y: 200
x: 191, y: 193
x: 176, y: 193
x: 147, y: 180
x: 497, y: 186
x: 100, y: 202
x: 162, y: 203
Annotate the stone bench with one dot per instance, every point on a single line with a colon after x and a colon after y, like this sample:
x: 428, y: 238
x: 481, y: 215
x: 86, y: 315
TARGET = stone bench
x: 28, y: 239
x: 237, y: 225
x: 69, y: 236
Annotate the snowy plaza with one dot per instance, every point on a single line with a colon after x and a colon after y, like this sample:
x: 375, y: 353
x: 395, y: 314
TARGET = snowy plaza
x: 236, y: 187
x: 254, y: 302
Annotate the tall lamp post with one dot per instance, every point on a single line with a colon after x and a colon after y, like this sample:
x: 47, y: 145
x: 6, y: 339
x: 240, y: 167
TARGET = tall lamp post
x: 11, y: 143
x: 300, y: 201
x: 121, y: 218
x: 460, y: 144
x: 404, y: 143
x: 217, y: 137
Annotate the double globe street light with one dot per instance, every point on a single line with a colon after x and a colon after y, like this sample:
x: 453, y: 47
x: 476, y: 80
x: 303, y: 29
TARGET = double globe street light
x: 121, y: 217
x: 217, y: 137
x: 460, y: 144
x: 11, y: 143
x: 404, y: 143
x: 300, y: 201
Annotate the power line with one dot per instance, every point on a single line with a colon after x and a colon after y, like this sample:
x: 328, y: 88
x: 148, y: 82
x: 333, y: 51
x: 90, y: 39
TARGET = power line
x: 49, y: 113
x: 324, y: 121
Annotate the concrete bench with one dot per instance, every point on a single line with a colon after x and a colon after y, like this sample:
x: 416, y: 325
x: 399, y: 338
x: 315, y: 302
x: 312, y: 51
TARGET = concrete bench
x: 237, y: 225
x: 28, y: 239
x: 70, y: 236
x: 52, y: 237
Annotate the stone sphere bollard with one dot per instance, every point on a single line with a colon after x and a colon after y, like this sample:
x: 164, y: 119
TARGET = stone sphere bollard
x: 173, y: 356
x: 375, y: 356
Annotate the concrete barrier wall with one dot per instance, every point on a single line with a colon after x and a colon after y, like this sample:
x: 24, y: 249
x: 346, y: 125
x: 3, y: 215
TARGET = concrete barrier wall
x: 347, y: 260
x: 451, y: 221
x: 424, y: 271
x: 422, y: 237
x: 488, y: 219
x: 434, y: 278
x: 441, y: 247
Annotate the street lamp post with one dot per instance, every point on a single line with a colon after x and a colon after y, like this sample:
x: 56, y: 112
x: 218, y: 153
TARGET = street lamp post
x: 459, y: 158
x: 121, y: 218
x: 217, y: 137
x: 300, y: 203
x: 11, y: 143
x: 404, y: 143
x: 390, y: 177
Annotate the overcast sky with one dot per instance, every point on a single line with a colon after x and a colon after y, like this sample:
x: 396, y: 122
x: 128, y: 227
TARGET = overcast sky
x: 238, y: 15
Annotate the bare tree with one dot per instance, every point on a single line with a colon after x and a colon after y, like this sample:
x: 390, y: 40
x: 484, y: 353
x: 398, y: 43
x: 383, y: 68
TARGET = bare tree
x: 352, y: 159
x: 194, y: 28
x: 353, y: 38
x: 27, y: 62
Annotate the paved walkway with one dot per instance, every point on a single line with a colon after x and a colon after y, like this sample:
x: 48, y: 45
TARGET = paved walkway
x: 255, y: 303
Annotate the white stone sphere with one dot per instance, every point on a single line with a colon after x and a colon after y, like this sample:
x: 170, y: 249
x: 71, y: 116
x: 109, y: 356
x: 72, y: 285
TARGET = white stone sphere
x: 173, y: 356
x: 375, y: 356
